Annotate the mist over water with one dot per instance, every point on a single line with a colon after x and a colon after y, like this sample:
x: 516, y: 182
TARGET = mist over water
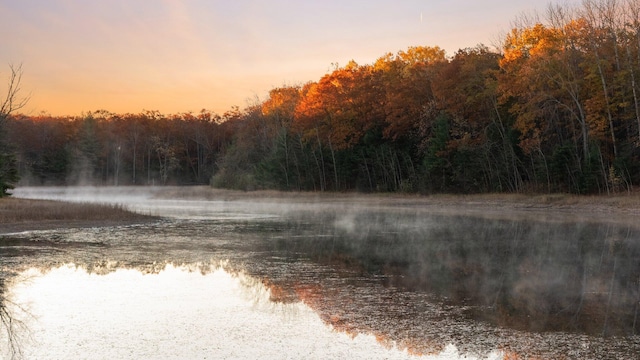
x: 381, y: 278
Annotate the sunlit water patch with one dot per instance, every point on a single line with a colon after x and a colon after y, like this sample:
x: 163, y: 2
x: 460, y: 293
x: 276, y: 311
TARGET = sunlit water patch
x: 177, y: 313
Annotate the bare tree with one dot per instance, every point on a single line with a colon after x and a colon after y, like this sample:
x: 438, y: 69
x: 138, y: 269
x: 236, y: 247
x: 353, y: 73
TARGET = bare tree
x: 14, y: 329
x: 13, y: 101
x: 632, y: 34
x: 601, y: 15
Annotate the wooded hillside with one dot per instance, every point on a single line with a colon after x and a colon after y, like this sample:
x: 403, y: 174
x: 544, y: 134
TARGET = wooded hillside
x: 556, y: 109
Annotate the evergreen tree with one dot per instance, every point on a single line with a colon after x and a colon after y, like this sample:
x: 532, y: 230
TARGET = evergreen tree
x: 8, y: 171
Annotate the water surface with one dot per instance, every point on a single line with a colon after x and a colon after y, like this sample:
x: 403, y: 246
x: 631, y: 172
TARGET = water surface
x: 314, y: 277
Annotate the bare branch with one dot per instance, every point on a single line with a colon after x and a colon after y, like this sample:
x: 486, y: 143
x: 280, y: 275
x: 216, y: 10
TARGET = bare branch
x: 12, y: 100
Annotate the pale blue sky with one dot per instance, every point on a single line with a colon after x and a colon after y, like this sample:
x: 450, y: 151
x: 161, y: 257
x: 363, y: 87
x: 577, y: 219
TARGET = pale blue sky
x: 175, y: 56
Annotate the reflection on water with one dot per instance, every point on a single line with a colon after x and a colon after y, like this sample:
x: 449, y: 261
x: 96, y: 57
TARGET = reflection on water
x: 534, y: 276
x: 175, y: 313
x: 535, y: 286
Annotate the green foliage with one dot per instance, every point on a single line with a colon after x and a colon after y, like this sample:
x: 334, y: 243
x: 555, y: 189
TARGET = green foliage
x: 53, y: 167
x: 563, y: 168
x: 8, y: 172
x: 467, y: 172
x: 226, y: 179
x: 435, y: 162
x: 9, y: 176
x: 235, y: 170
x: 276, y: 170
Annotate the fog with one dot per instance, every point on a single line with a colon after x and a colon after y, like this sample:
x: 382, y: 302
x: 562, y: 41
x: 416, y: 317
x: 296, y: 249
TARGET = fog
x: 419, y: 277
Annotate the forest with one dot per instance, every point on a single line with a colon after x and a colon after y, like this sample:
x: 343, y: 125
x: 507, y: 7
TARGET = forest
x: 556, y: 108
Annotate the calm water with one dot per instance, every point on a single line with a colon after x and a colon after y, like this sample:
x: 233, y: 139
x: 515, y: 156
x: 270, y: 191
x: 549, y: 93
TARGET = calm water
x: 311, y: 277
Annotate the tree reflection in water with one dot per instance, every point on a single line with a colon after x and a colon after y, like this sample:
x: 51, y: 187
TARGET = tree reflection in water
x: 12, y: 329
x: 196, y: 311
x: 533, y: 276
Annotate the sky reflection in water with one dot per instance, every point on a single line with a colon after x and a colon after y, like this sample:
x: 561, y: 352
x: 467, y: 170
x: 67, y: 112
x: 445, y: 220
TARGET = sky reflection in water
x: 179, y: 312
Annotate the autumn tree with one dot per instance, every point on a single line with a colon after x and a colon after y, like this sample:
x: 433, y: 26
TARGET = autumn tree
x: 282, y: 165
x: 631, y: 43
x: 407, y: 79
x: 483, y: 148
x: 399, y: 96
x: 543, y: 83
x: 327, y: 115
x: 611, y: 29
x: 556, y: 108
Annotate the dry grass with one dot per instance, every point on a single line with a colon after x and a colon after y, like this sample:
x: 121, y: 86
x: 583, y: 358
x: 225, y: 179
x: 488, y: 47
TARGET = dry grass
x: 627, y: 203
x: 23, y: 214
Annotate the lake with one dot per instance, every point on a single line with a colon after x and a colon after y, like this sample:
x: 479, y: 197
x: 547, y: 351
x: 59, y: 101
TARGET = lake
x: 289, y: 276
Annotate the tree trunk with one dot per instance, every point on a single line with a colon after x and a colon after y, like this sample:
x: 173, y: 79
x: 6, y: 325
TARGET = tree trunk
x: 335, y: 165
x: 323, y: 179
x: 633, y: 89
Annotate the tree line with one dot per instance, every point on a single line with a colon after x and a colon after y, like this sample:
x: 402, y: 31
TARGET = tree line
x: 555, y: 109
x: 103, y: 148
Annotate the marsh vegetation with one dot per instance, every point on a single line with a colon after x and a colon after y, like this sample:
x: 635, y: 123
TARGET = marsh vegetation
x: 28, y: 214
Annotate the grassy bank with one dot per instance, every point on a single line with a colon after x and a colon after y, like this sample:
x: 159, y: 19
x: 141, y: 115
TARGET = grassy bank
x: 619, y: 203
x: 23, y: 214
x: 18, y: 214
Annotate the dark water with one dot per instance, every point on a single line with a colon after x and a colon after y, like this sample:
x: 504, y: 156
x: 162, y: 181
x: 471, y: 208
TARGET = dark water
x: 417, y: 280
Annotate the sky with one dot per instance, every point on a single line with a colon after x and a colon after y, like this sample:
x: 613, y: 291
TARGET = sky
x: 174, y: 56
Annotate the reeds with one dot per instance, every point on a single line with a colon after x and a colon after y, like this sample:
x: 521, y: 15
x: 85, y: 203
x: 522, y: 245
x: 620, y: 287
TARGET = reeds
x: 13, y: 210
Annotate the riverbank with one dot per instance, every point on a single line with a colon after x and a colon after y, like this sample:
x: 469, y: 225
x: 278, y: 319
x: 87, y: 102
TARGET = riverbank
x: 620, y: 204
x: 18, y: 215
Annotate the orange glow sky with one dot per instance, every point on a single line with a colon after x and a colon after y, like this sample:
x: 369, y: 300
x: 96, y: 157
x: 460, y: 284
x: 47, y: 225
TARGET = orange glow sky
x: 177, y: 56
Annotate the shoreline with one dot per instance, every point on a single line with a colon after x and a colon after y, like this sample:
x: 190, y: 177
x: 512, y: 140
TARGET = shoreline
x: 21, y: 215
x: 620, y: 204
